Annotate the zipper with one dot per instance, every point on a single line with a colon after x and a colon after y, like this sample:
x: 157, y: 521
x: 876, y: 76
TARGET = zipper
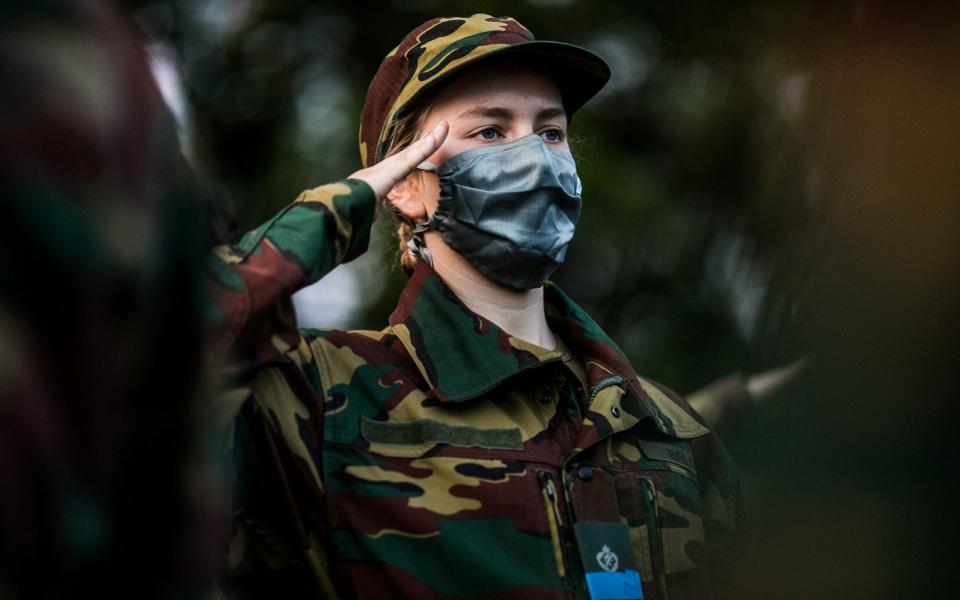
x: 609, y: 381
x: 555, y: 519
x: 564, y: 508
x: 564, y: 545
x: 650, y: 509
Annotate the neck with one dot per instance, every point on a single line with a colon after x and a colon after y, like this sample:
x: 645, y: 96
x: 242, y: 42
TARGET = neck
x: 518, y: 312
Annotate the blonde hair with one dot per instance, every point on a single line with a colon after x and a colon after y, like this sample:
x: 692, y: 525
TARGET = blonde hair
x: 404, y: 132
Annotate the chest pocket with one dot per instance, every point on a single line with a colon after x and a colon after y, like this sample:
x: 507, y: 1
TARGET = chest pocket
x: 649, y: 483
x: 439, y: 489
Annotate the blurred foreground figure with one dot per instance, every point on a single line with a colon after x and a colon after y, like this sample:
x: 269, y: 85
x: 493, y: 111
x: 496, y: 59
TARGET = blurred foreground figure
x: 100, y: 346
x: 728, y: 401
x: 854, y: 492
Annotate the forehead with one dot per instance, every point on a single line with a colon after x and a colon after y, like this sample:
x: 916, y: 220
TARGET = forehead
x: 499, y: 83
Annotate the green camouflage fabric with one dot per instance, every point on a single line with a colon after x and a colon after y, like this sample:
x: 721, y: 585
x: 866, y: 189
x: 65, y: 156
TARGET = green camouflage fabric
x: 437, y: 49
x: 440, y: 457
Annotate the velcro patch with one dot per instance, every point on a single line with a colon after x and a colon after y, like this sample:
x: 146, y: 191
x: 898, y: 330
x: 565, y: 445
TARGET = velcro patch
x: 667, y: 452
x: 428, y: 431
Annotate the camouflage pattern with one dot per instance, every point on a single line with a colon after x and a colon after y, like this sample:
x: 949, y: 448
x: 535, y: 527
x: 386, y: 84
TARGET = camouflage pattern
x: 104, y: 488
x: 441, y: 457
x: 435, y: 50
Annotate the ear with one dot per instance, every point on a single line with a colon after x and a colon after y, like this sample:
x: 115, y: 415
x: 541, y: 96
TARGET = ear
x: 406, y: 196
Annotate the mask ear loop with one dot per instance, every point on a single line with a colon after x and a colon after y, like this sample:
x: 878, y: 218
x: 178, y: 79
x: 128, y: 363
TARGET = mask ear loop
x: 416, y: 244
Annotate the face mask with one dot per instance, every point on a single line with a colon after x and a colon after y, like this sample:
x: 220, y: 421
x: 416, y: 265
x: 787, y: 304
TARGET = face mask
x: 509, y: 209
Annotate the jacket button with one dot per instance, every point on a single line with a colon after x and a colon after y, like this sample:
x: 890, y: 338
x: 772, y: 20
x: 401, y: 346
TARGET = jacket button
x: 585, y: 473
x: 615, y: 411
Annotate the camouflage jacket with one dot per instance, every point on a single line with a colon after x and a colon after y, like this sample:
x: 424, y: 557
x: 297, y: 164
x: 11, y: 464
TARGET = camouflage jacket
x: 441, y: 457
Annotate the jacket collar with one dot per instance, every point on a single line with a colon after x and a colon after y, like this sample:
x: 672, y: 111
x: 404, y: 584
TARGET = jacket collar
x: 462, y: 355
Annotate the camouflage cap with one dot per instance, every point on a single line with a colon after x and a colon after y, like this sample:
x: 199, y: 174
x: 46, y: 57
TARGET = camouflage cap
x: 445, y: 45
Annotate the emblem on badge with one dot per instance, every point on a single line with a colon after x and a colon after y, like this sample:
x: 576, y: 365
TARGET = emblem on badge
x: 607, y: 559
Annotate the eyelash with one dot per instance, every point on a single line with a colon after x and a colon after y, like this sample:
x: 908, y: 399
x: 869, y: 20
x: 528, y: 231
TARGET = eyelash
x: 479, y: 134
x: 561, y: 134
x: 557, y: 130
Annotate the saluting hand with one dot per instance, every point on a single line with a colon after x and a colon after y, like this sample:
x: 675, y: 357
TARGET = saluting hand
x: 382, y: 176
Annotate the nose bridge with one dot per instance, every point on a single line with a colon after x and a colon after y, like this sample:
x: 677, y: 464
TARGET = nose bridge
x: 524, y: 122
x: 524, y: 126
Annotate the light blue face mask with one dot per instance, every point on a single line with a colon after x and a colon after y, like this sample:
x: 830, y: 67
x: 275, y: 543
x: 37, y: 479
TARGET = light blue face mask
x: 509, y: 209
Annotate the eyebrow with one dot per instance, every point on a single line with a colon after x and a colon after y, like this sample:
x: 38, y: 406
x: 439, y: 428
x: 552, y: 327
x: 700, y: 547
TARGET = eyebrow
x: 497, y: 112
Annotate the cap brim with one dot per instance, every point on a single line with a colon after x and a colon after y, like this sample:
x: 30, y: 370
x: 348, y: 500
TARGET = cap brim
x: 579, y: 73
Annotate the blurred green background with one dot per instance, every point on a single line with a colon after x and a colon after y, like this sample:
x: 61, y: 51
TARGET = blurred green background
x: 763, y: 181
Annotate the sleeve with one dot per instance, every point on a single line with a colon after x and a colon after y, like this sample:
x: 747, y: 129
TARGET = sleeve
x: 721, y: 502
x: 280, y: 535
x: 721, y: 505
x: 249, y: 309
x: 276, y: 434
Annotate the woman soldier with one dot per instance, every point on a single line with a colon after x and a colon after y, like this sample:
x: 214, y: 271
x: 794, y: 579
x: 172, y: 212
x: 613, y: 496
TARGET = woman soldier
x: 491, y: 441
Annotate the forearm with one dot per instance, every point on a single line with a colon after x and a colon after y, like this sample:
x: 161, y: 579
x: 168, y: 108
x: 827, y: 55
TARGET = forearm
x: 250, y: 284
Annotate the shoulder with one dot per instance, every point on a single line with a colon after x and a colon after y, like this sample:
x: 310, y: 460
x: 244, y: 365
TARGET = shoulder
x: 666, y: 397
x: 340, y: 356
x: 714, y: 462
x: 673, y: 413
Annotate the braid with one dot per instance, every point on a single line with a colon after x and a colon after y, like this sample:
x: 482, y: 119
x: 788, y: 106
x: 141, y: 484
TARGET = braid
x: 404, y: 133
x: 405, y: 233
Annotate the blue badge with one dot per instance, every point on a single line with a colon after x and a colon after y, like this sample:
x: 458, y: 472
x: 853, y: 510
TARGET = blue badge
x: 608, y: 562
x: 619, y: 585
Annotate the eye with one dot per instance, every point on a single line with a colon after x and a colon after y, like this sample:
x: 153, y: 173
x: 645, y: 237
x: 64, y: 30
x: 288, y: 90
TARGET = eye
x: 488, y: 134
x: 552, y: 136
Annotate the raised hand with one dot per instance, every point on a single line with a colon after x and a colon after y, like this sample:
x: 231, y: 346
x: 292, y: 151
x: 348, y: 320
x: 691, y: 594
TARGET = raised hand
x: 386, y: 173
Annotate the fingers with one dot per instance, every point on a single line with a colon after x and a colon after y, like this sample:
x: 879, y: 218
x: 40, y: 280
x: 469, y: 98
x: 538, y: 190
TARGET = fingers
x: 427, y: 145
x: 383, y: 175
x: 407, y: 160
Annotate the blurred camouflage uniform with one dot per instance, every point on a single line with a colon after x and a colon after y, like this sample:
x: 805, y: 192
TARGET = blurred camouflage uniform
x: 100, y: 330
x: 440, y: 456
x: 724, y: 403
